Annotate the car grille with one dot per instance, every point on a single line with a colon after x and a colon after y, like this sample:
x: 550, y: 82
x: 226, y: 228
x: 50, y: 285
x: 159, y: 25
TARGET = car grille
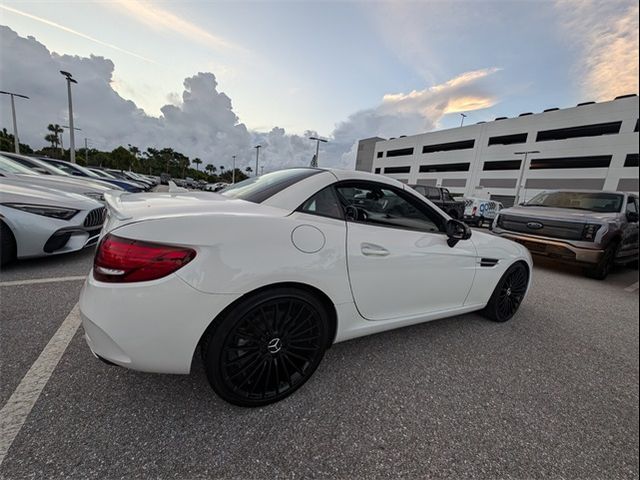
x: 95, y: 217
x: 549, y: 228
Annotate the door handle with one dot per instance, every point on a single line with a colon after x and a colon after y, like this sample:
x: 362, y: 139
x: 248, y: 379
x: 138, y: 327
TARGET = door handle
x: 373, y: 250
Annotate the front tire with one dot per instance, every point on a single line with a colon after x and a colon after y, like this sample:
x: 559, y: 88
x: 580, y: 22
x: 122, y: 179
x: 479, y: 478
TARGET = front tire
x: 605, y: 265
x: 508, y: 294
x: 7, y: 245
x: 266, y: 347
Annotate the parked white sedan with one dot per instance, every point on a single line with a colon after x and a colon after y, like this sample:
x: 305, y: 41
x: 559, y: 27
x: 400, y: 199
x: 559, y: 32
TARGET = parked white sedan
x: 264, y: 277
x: 37, y: 221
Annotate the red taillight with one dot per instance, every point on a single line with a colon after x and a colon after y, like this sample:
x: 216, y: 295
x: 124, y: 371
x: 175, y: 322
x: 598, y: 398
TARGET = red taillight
x: 120, y: 260
x: 473, y: 212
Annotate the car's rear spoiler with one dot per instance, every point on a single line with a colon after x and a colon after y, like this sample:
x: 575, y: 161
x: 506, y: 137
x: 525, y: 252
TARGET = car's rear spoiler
x: 112, y: 199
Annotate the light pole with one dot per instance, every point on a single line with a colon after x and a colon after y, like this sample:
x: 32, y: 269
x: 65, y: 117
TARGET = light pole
x: 516, y: 200
x: 72, y: 140
x: 16, y: 141
x: 233, y: 171
x: 257, y: 147
x: 314, y: 161
x: 462, y: 120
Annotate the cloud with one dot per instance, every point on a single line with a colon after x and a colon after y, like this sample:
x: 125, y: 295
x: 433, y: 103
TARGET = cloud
x: 606, y: 34
x: 154, y: 16
x: 201, y: 121
x: 74, y: 32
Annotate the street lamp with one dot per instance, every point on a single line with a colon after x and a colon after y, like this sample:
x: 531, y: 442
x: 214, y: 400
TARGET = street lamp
x: 257, y: 147
x: 314, y: 161
x: 516, y: 200
x: 16, y: 141
x: 462, y: 120
x: 72, y: 140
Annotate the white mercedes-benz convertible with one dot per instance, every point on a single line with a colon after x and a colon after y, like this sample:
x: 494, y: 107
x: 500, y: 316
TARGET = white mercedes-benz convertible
x: 265, y: 276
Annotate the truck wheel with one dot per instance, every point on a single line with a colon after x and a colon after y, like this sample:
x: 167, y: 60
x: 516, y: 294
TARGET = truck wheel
x: 604, y: 267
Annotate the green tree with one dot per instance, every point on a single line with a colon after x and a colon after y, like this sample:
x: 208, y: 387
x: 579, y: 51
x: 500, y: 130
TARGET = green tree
x: 122, y: 158
x: 210, y: 168
x: 248, y: 170
x: 196, y: 161
x: 56, y: 130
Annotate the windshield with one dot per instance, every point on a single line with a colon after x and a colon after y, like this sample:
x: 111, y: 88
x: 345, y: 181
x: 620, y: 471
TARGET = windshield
x: 258, y: 189
x: 9, y: 166
x: 103, y: 174
x: 593, y: 202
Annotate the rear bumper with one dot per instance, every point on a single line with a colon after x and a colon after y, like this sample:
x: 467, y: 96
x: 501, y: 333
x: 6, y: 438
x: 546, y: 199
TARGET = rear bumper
x: 147, y: 326
x: 553, y: 248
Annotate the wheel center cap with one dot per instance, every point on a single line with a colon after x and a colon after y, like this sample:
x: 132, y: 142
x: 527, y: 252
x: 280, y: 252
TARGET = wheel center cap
x: 274, y: 345
x: 509, y: 292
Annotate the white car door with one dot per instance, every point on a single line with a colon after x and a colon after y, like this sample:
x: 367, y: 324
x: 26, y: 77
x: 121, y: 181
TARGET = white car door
x: 400, y: 264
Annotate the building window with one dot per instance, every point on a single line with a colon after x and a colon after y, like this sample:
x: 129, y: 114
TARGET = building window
x: 596, y: 130
x: 377, y: 170
x: 380, y: 154
x: 397, y: 169
x: 502, y: 165
x: 446, y: 147
x: 400, y: 152
x: 508, y: 139
x: 445, y: 167
x: 601, y: 161
x: 631, y: 160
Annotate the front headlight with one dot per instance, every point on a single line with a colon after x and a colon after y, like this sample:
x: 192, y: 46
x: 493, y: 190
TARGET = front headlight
x: 94, y: 196
x: 61, y: 213
x: 590, y: 230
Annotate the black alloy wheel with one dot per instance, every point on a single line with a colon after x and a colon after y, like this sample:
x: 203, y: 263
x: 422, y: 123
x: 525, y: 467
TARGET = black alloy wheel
x: 604, y: 267
x: 508, y: 294
x: 267, y: 347
x: 7, y: 245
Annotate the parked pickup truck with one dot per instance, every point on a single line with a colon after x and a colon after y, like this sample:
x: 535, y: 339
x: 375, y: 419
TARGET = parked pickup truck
x: 593, y: 229
x: 443, y: 199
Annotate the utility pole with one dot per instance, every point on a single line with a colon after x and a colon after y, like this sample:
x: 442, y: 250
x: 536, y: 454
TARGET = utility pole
x: 523, y: 167
x: 72, y: 140
x: 314, y: 161
x: 257, y: 147
x: 86, y: 152
x: 16, y: 140
x: 233, y: 172
x: 462, y: 120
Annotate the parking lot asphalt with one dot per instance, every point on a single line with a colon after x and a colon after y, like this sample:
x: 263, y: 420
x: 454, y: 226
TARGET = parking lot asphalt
x: 552, y: 393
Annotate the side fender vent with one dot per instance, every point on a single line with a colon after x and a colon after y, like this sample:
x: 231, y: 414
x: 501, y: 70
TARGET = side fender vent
x: 488, y: 262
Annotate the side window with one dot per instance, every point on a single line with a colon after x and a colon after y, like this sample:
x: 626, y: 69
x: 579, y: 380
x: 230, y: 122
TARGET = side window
x: 324, y: 203
x: 631, y: 205
x: 446, y: 196
x: 433, y: 193
x: 420, y: 189
x: 384, y: 205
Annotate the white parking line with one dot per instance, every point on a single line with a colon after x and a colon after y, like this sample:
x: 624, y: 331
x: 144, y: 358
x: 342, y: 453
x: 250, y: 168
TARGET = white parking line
x: 632, y: 288
x: 42, y: 280
x: 17, y: 409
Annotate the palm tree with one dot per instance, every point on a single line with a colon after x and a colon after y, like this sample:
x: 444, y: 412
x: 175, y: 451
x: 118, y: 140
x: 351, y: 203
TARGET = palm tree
x: 56, y: 130
x: 53, y: 139
x: 196, y: 161
x: 210, y: 168
x: 248, y: 170
x: 222, y: 168
x: 135, y: 151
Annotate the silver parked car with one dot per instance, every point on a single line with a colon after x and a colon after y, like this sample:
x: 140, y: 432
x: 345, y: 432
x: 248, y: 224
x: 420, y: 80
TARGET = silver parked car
x: 594, y: 229
x: 38, y: 221
x: 14, y: 170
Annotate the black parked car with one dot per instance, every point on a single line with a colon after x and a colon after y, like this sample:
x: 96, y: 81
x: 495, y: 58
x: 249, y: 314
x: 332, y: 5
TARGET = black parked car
x: 443, y: 199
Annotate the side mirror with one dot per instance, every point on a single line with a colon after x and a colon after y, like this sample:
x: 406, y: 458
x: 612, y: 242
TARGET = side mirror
x: 456, y: 231
x: 632, y: 217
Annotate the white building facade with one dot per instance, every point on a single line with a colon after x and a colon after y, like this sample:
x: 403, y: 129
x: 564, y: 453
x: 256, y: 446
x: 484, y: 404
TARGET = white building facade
x: 591, y: 146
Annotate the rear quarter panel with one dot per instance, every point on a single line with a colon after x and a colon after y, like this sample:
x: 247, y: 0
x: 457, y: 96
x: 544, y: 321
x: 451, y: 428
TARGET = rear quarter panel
x: 239, y: 253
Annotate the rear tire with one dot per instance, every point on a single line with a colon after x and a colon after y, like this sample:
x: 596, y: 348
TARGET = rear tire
x: 604, y: 267
x: 7, y: 245
x: 266, y: 347
x: 508, y: 294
